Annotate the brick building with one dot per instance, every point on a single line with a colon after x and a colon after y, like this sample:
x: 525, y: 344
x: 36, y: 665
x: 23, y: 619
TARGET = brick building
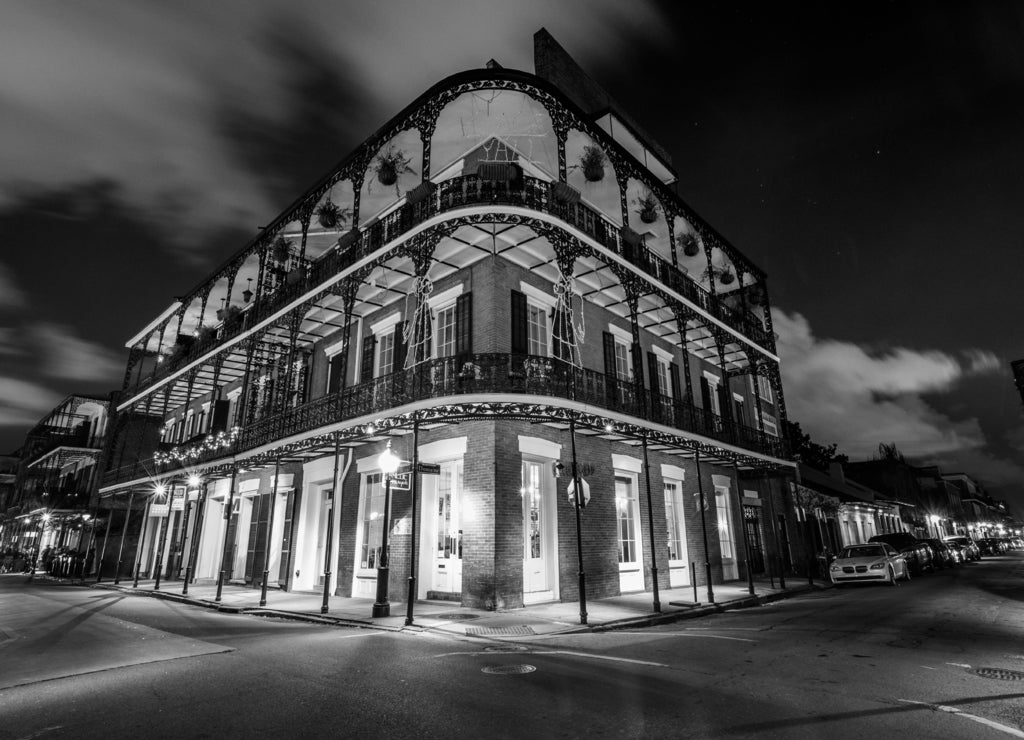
x: 499, y: 283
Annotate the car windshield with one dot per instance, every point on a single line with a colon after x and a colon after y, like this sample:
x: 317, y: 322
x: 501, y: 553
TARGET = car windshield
x: 862, y: 551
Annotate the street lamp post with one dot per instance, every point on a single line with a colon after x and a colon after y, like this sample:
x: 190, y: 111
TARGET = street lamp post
x: 388, y: 462
x: 39, y: 544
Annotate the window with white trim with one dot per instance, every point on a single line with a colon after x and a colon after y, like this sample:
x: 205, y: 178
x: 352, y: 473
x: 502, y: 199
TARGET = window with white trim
x: 623, y: 360
x: 764, y: 389
x: 373, y: 520
x: 770, y: 425
x: 386, y: 353
x: 673, y: 518
x: 725, y: 529
x: 444, y: 331
x: 537, y: 334
x: 664, y: 379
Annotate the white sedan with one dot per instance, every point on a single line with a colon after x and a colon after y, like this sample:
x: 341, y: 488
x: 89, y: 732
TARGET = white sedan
x: 870, y: 561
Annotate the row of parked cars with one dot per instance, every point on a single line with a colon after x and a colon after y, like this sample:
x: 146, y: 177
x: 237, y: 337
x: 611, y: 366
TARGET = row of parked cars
x: 896, y: 556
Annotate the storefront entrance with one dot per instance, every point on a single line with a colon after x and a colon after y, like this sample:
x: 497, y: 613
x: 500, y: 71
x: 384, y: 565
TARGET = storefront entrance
x: 539, y: 550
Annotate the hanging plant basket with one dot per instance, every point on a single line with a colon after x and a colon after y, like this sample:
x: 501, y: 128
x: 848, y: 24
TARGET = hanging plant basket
x: 592, y: 163
x: 647, y: 208
x: 690, y: 246
x: 391, y: 163
x: 726, y: 276
x: 419, y: 193
x: 281, y: 249
x: 329, y: 215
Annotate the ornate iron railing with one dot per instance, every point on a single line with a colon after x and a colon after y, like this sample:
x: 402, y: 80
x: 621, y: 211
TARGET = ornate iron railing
x: 483, y: 374
x: 459, y: 192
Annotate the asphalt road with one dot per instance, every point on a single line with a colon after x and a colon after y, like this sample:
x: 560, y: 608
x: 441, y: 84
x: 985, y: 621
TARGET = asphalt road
x: 869, y: 661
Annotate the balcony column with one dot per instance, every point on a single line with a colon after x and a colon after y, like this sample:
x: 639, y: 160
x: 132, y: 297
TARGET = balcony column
x: 270, y: 532
x: 227, y: 525
x: 755, y: 376
x: 726, y: 401
x: 704, y: 525
x: 425, y: 124
x: 683, y: 319
x: 241, y: 413
x: 142, y: 537
x: 632, y: 299
x: 741, y: 515
x: 670, y: 219
x: 305, y: 215
x: 124, y: 531
x: 197, y: 532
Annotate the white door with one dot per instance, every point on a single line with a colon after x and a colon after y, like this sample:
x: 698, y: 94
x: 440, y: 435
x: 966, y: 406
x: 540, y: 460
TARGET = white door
x: 446, y: 547
x: 326, y: 511
x: 539, y: 548
x: 276, y: 538
x: 678, y: 560
x: 241, y: 546
x: 631, y: 569
x: 726, y: 534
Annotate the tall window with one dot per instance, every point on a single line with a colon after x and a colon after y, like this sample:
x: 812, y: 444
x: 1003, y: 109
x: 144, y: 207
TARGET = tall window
x: 725, y: 529
x: 534, y: 512
x: 675, y: 533
x: 770, y: 425
x: 664, y: 380
x: 624, y: 504
x: 623, y: 360
x: 764, y: 388
x: 373, y: 520
x: 536, y: 329
x: 445, y: 332
x: 386, y: 354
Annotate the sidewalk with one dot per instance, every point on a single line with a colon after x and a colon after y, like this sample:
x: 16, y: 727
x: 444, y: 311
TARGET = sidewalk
x: 617, y: 612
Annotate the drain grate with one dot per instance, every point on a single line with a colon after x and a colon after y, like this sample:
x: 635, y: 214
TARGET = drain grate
x: 1003, y: 674
x: 508, y: 670
x: 456, y: 616
x: 504, y: 648
x: 519, y: 629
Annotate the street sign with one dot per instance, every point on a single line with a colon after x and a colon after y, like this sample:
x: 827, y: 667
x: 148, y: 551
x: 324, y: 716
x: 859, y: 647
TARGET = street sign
x: 429, y: 468
x: 401, y: 481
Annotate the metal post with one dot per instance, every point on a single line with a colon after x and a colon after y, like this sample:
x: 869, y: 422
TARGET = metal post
x: 382, y: 607
x: 270, y: 533
x: 39, y: 546
x: 103, y: 549
x: 330, y: 527
x: 412, y: 547
x: 650, y: 523
x: 743, y: 523
x: 185, y: 516
x: 88, y: 547
x: 165, y: 535
x: 775, y: 536
x: 704, y: 528
x: 124, y: 531
x: 227, y: 524
x: 693, y: 580
x: 196, y: 534
x: 142, y: 538
x: 579, y: 529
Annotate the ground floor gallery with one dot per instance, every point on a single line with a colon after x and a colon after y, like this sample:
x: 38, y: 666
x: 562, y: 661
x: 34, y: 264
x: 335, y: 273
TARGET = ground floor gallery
x: 494, y: 523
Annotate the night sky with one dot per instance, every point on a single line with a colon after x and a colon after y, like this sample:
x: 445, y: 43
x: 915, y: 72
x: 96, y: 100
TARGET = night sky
x: 868, y: 156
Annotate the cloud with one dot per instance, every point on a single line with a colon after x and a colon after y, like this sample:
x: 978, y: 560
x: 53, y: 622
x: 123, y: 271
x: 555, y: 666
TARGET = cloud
x: 11, y: 295
x: 23, y: 403
x: 135, y: 94
x: 68, y: 357
x: 841, y: 392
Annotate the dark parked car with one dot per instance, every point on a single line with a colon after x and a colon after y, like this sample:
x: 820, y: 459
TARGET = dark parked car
x: 968, y: 547
x: 917, y: 553
x: 988, y: 546
x: 942, y: 554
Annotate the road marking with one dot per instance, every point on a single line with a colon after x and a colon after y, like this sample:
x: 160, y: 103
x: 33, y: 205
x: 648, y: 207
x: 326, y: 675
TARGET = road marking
x: 360, y: 634
x: 601, y: 657
x: 973, y: 717
x: 959, y: 665
x: 492, y: 653
x: 688, y: 634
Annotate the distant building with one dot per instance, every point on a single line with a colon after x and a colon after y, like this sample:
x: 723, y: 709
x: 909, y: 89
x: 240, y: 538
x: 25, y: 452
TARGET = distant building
x: 500, y: 283
x: 53, y: 495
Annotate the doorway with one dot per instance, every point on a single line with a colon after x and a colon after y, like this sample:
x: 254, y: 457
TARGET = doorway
x: 539, y: 546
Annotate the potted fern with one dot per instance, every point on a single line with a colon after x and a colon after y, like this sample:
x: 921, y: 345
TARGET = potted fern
x: 592, y: 163
x: 390, y: 164
x: 330, y: 215
x: 647, y: 208
x: 281, y: 249
x: 690, y: 246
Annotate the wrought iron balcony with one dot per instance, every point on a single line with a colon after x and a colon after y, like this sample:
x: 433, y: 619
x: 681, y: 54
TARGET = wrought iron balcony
x: 479, y: 374
x: 450, y: 195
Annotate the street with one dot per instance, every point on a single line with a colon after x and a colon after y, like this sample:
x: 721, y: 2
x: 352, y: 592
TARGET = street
x: 939, y: 657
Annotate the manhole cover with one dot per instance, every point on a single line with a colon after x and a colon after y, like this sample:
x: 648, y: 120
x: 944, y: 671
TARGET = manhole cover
x: 1003, y: 674
x: 456, y: 616
x: 508, y: 670
x: 519, y: 629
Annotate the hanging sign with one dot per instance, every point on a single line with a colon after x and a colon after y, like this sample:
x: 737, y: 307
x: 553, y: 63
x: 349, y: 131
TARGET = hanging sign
x: 178, y: 503
x: 159, y: 509
x: 429, y: 468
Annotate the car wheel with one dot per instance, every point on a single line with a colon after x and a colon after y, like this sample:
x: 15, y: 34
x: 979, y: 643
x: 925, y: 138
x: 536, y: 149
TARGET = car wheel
x: 906, y: 573
x: 892, y: 577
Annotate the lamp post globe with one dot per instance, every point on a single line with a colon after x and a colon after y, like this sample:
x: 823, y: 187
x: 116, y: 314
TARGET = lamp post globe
x: 388, y: 462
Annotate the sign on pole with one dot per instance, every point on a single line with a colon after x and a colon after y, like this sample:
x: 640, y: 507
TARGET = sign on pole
x: 429, y: 468
x: 401, y: 481
x: 586, y: 493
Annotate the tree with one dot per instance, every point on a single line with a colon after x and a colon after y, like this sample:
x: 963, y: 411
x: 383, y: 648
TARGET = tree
x: 809, y: 452
x: 889, y: 452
